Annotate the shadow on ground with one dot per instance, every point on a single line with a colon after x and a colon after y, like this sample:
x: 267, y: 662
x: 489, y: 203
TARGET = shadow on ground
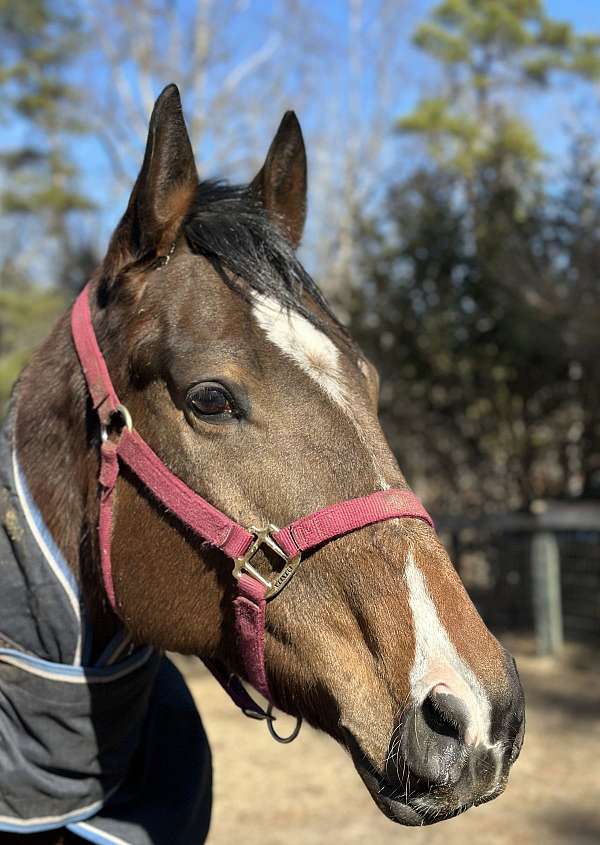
x: 309, y: 794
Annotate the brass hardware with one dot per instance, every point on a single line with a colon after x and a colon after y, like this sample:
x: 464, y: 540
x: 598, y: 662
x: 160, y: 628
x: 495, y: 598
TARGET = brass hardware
x: 262, y: 537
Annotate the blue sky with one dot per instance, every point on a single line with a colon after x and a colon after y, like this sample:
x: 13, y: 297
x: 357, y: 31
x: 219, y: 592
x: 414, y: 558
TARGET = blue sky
x: 548, y: 113
x: 583, y: 14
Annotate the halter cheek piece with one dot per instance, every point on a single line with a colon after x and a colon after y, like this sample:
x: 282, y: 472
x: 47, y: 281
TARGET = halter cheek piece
x: 120, y: 443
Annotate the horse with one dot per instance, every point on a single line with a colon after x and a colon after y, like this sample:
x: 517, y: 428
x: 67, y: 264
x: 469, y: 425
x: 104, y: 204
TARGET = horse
x: 204, y: 372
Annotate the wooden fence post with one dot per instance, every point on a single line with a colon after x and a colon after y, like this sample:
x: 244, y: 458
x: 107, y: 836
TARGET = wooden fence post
x: 547, y: 605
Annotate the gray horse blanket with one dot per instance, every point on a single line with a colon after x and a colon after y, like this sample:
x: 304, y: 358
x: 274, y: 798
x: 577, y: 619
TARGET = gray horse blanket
x: 114, y: 751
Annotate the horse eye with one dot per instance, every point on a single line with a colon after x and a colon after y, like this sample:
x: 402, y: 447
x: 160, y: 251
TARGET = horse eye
x: 210, y: 400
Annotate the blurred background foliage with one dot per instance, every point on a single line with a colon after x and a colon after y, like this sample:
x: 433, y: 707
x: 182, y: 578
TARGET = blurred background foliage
x: 460, y: 245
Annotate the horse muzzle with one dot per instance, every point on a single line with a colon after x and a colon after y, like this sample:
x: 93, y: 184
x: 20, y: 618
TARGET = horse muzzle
x: 434, y: 769
x: 409, y: 799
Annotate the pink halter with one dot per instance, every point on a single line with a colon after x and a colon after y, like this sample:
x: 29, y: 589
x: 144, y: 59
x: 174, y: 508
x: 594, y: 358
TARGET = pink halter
x: 125, y: 445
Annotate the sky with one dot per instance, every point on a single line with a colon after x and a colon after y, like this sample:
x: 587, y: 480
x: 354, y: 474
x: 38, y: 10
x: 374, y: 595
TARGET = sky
x: 339, y: 107
x: 583, y: 14
x: 549, y: 114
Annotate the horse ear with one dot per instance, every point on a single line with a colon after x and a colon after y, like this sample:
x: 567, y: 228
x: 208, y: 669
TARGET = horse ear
x: 281, y: 182
x: 162, y: 193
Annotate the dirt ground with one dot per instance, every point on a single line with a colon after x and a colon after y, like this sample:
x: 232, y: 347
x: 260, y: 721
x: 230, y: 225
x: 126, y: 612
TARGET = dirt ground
x: 308, y: 792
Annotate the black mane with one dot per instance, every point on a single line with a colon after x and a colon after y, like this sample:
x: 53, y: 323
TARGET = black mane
x: 229, y: 226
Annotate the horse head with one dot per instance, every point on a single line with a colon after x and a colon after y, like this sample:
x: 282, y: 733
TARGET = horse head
x: 240, y: 378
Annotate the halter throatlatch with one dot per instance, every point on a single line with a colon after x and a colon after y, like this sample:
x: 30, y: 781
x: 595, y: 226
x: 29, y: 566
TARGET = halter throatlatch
x: 120, y: 443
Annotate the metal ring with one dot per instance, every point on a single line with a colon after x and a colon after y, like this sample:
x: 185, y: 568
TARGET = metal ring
x: 123, y: 412
x: 121, y: 409
x: 284, y: 740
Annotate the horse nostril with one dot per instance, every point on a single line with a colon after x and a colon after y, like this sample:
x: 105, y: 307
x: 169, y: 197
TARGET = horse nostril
x: 434, y: 737
x: 440, y: 719
x: 445, y: 714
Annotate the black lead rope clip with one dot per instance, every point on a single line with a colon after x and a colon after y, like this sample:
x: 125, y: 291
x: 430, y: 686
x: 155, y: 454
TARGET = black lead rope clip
x: 269, y: 717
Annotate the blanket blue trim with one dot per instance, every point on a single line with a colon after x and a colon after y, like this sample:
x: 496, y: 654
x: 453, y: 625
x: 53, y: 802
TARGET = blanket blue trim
x: 114, y: 751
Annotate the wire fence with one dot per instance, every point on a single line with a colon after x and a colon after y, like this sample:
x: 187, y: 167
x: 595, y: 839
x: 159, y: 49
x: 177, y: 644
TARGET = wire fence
x: 533, y: 573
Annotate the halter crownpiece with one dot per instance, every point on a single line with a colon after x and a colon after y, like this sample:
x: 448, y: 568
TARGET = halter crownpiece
x: 121, y: 443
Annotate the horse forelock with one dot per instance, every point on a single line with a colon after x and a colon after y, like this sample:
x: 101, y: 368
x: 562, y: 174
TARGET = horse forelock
x: 251, y: 253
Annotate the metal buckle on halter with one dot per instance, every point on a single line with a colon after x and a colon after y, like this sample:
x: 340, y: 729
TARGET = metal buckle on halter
x: 126, y: 422
x: 263, y: 537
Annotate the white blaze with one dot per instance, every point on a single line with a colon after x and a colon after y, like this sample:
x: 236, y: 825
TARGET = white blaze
x: 316, y: 355
x: 437, y: 661
x: 297, y: 338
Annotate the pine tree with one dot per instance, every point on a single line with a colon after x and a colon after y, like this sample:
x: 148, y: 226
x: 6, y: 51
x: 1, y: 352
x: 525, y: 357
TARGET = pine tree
x: 486, y: 50
x: 480, y: 274
x: 38, y: 40
x: 38, y: 179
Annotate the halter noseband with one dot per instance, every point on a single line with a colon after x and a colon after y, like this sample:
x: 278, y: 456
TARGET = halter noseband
x: 120, y: 443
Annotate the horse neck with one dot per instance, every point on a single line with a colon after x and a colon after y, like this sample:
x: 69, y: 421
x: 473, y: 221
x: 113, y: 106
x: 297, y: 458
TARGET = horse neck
x: 52, y: 445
